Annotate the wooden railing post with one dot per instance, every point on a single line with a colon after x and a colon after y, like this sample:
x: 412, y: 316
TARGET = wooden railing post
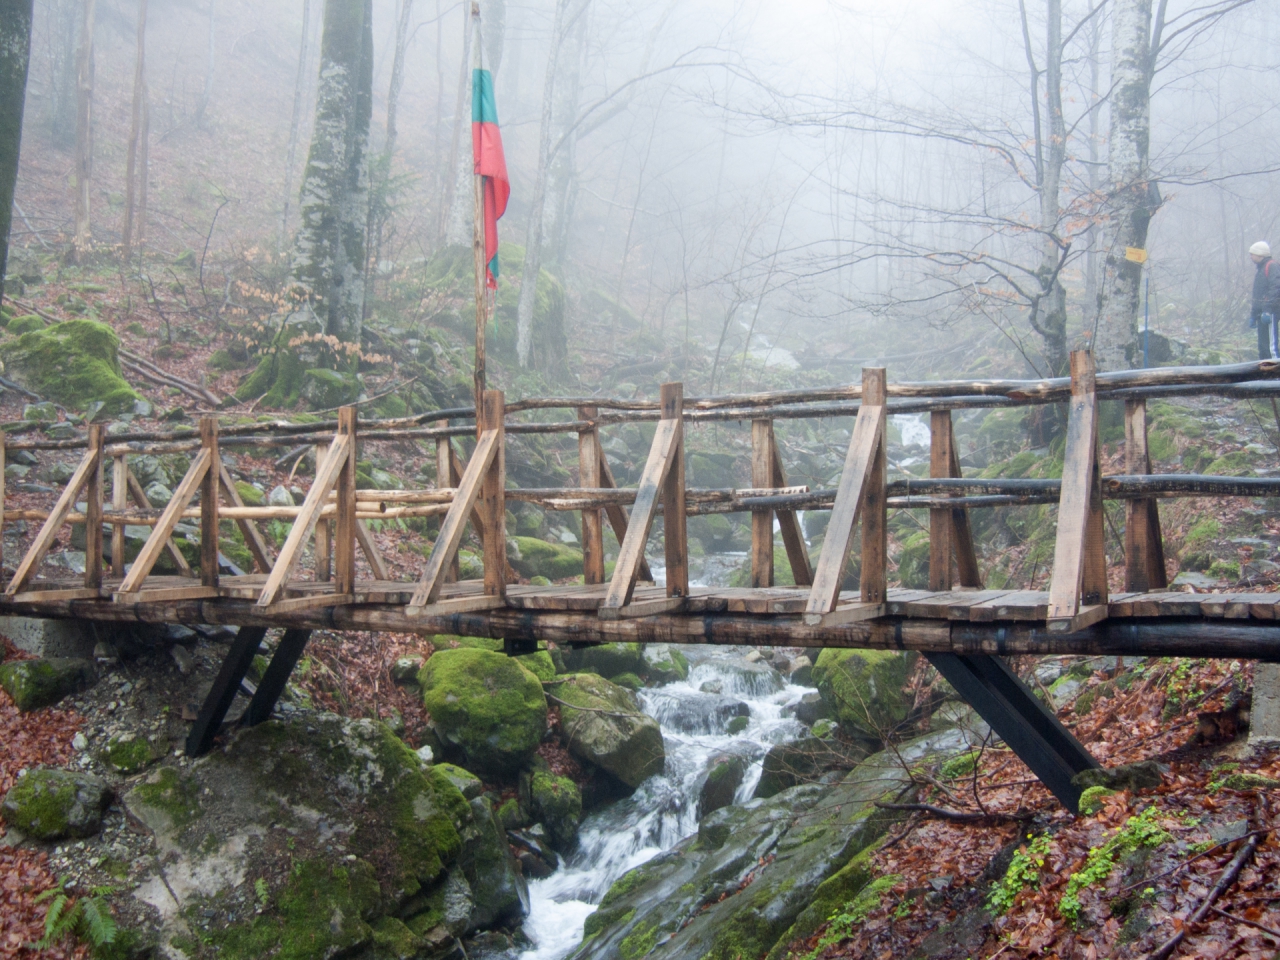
x: 761, y: 520
x: 344, y: 534
x: 789, y: 526
x: 119, y: 502
x: 675, y: 533
x: 589, y: 476
x: 875, y: 511
x: 1079, y: 558
x: 324, y: 538
x: 493, y: 505
x: 93, y: 512
x: 940, y: 525
x: 445, y: 477
x: 1143, y: 547
x: 209, y: 500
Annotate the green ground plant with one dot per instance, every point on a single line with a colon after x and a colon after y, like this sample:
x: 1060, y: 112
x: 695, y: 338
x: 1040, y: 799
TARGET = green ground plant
x: 1138, y: 832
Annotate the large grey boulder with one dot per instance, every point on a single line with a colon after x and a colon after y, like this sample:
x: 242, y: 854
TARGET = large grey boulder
x: 603, y: 725
x: 41, y: 683
x: 52, y: 804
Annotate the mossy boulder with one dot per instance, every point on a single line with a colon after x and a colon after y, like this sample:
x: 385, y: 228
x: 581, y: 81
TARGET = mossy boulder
x: 251, y: 495
x: 664, y: 663
x: 51, y: 804
x: 531, y: 557
x: 801, y: 761
x: 41, y: 683
x: 484, y: 706
x: 324, y: 389
x: 603, y: 725
x: 608, y: 659
x: 75, y: 363
x: 25, y: 324
x: 468, y: 784
x: 129, y: 753
x: 557, y: 805
x: 722, y: 783
x: 866, y: 689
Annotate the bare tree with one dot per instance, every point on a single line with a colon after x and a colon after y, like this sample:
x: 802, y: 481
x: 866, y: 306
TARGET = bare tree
x: 15, y: 57
x: 135, y: 132
x: 83, y: 237
x: 295, y: 122
x: 207, y: 93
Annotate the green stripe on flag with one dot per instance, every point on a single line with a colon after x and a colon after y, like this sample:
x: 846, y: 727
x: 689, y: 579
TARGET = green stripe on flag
x: 483, y: 107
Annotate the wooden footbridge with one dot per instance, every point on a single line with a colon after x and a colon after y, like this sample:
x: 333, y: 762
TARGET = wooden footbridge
x: 960, y: 626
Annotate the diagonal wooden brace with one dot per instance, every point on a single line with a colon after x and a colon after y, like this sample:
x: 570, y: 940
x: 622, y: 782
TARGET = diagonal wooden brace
x: 863, y: 474
x: 173, y: 511
x: 1079, y: 557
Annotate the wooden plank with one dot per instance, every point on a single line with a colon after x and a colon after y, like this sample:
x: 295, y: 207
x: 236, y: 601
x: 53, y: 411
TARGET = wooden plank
x: 589, y: 476
x: 55, y: 596
x: 450, y: 606
x: 617, y: 515
x: 625, y: 572
x: 859, y: 463
x: 209, y: 501
x: 119, y: 501
x: 896, y: 604
x: 761, y: 520
x: 162, y: 594
x: 1018, y: 605
x: 1231, y: 606
x: 43, y: 541
x: 371, y: 552
x: 675, y: 530
x: 939, y: 606
x: 344, y: 529
x: 93, y: 512
x: 1075, y: 546
x: 789, y: 527
x: 326, y: 476
x: 492, y: 503
x: 150, y: 552
x: 1144, y: 567
x: 313, y: 601
x: 873, y: 580
x: 1087, y: 617
x: 855, y: 612
x: 940, y: 549
x: 139, y: 497
x: 643, y: 608
x: 454, y: 524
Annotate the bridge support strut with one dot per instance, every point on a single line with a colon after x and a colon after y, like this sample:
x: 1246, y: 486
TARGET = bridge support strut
x: 1020, y: 719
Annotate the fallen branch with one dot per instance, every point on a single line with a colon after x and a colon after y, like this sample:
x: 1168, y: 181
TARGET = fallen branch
x: 1271, y: 931
x: 147, y: 369
x: 1147, y: 881
x: 1224, y: 883
x: 574, y: 706
x: 959, y: 816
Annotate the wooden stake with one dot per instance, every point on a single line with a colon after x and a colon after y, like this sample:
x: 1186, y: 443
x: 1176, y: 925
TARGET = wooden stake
x: 492, y: 504
x: 1143, y: 548
x: 961, y: 532
x: 789, y: 525
x: 875, y: 515
x: 344, y: 534
x: 589, y: 476
x: 324, y: 540
x: 761, y: 520
x: 44, y: 540
x: 477, y: 247
x: 445, y: 478
x: 93, y: 512
x: 209, y: 504
x: 675, y: 536
x: 119, y: 501
x: 940, y: 525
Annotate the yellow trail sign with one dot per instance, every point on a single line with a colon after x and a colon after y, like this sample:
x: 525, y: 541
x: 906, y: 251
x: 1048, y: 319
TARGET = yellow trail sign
x: 1135, y: 254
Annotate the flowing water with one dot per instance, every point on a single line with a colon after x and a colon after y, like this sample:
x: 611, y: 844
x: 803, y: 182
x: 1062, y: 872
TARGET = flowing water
x: 664, y: 809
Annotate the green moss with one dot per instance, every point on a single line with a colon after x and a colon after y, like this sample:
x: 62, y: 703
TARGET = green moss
x: 557, y: 803
x: 40, y: 805
x: 625, y: 884
x: 865, y: 688
x: 1236, y: 464
x: 129, y: 754
x: 41, y: 683
x: 961, y: 766
x: 639, y: 942
x: 1250, y: 781
x: 510, y: 815
x: 539, y: 664
x: 628, y: 680
x: 251, y: 495
x: 1161, y: 445
x: 1091, y: 800
x: 322, y: 910
x: 535, y: 557
x: 485, y: 704
x: 25, y: 324
x: 604, y: 918
x: 396, y: 939
x: 737, y: 725
x: 171, y: 795
x: 73, y: 363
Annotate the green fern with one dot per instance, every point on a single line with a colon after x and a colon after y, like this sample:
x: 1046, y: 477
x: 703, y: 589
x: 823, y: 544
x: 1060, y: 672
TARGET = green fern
x: 90, y: 918
x: 96, y: 923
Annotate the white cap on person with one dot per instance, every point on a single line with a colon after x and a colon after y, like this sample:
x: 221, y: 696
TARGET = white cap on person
x: 1260, y: 249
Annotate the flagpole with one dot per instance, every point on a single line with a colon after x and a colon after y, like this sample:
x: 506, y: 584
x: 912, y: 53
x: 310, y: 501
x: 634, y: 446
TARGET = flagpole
x: 477, y: 239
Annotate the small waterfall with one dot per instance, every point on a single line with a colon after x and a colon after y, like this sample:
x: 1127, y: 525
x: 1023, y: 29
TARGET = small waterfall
x: 693, y: 715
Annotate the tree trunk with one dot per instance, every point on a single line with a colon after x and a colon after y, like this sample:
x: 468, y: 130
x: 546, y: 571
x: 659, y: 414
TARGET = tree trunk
x: 64, y: 27
x: 397, y: 74
x: 135, y: 130
x: 83, y: 237
x: 15, y: 56
x: 1128, y: 214
x: 207, y: 93
x: 1053, y: 310
x: 299, y: 87
x: 330, y: 253
x: 1091, y: 263
x: 452, y: 176
x: 144, y: 164
x: 534, y: 230
x: 561, y: 172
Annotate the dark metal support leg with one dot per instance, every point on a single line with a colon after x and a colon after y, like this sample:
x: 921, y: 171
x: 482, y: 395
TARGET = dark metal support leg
x: 1020, y: 719
x: 288, y: 652
x: 243, y: 649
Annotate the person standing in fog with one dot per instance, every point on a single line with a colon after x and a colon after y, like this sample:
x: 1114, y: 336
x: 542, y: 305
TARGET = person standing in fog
x: 1266, y: 299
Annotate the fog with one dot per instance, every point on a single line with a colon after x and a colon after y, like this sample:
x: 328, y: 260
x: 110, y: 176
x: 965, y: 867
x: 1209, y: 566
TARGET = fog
x: 770, y: 187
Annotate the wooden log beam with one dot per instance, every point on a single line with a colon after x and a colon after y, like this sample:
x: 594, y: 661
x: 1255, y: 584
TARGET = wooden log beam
x: 1143, y: 548
x: 675, y: 534
x: 492, y: 504
x: 93, y: 512
x: 761, y: 520
x: 119, y: 502
x: 589, y: 476
x: 940, y: 521
x: 789, y: 526
x: 209, y: 501
x: 344, y: 527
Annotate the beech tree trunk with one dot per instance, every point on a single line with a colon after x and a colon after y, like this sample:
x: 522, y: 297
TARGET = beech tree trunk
x: 135, y: 131
x: 457, y: 182
x: 330, y: 254
x: 15, y: 56
x: 207, y: 93
x: 299, y: 88
x: 83, y: 237
x: 1128, y: 208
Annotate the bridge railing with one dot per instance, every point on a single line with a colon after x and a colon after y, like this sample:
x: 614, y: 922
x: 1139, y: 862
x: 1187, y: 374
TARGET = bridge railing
x: 334, y: 514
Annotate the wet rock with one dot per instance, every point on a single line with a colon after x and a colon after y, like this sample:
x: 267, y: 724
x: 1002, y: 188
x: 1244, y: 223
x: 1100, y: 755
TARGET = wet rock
x: 51, y: 804
x: 865, y: 688
x: 406, y: 669
x: 498, y: 891
x: 129, y: 753
x: 811, y: 708
x: 800, y: 848
x: 557, y: 803
x: 712, y: 686
x: 800, y: 761
x: 740, y: 678
x: 800, y: 671
x: 1133, y: 777
x: 604, y: 726
x: 664, y: 663
x: 607, y: 659
x: 695, y: 713
x: 485, y: 707
x: 468, y: 783
x: 722, y: 783
x: 41, y: 683
x: 182, y: 657
x: 280, y: 496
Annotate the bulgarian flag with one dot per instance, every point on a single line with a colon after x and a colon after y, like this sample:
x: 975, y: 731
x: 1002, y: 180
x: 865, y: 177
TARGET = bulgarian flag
x: 486, y: 149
